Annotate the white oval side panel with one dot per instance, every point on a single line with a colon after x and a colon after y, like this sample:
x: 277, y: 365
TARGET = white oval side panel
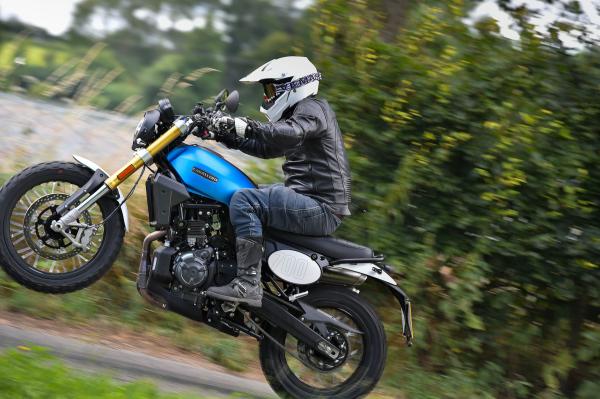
x: 294, y: 267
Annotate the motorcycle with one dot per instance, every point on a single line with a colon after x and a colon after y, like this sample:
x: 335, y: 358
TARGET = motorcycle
x: 63, y: 225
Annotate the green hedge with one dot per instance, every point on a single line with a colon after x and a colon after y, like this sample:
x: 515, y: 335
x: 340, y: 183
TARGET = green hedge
x: 478, y: 161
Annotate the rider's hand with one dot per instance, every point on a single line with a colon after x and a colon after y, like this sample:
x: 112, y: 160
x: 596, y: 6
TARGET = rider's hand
x: 227, y: 131
x: 222, y: 124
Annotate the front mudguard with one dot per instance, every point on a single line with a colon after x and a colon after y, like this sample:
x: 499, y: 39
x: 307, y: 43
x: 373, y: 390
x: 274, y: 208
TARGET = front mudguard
x: 124, y: 212
x: 378, y: 273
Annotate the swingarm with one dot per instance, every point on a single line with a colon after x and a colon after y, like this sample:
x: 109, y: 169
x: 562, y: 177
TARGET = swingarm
x: 282, y: 317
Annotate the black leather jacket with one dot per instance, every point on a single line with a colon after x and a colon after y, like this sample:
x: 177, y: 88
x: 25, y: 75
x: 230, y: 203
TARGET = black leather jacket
x: 315, y: 164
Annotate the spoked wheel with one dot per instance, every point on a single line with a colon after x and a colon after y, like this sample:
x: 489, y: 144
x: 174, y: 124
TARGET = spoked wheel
x: 41, y: 258
x: 300, y: 372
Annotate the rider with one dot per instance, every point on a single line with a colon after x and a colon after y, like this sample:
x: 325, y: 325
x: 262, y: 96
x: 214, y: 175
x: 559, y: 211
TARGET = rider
x: 316, y: 193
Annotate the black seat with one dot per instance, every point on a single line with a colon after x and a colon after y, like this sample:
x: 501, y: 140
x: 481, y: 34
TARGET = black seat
x: 329, y: 246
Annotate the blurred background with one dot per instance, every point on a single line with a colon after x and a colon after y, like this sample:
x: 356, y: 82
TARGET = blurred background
x: 473, y: 130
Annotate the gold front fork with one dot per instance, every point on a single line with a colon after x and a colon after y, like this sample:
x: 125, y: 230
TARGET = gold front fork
x: 145, y: 156
x: 141, y: 157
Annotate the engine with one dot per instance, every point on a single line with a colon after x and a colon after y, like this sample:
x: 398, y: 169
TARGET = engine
x: 197, y: 253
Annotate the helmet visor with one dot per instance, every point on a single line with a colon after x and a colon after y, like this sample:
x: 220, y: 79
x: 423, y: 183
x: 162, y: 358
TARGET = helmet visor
x: 270, y: 91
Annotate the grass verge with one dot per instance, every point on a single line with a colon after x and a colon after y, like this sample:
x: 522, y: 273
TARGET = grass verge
x: 32, y: 373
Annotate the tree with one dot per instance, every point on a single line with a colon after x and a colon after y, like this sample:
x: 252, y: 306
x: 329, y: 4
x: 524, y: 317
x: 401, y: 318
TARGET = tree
x: 476, y: 160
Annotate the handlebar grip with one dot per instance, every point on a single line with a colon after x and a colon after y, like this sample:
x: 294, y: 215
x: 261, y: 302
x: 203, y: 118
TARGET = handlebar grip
x: 201, y: 127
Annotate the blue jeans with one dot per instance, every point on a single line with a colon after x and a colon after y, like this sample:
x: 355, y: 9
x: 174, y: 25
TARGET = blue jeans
x: 279, y: 207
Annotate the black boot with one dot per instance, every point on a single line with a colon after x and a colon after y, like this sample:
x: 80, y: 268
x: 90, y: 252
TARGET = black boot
x: 246, y: 286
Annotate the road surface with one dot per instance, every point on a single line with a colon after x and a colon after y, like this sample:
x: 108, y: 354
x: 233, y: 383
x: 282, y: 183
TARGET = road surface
x: 35, y: 131
x: 123, y: 365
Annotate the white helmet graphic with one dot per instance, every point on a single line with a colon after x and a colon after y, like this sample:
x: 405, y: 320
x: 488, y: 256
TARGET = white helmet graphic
x: 286, y: 81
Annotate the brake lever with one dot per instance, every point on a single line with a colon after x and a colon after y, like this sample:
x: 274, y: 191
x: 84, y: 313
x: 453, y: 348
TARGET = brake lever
x: 201, y: 126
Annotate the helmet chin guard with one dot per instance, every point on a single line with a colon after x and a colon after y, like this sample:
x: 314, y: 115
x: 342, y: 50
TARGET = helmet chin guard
x: 292, y: 79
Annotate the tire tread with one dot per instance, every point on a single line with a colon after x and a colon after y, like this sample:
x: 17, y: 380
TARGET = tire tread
x: 272, y: 373
x: 56, y: 286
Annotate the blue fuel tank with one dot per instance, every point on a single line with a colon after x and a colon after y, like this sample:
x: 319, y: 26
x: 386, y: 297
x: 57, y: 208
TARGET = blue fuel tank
x: 207, y: 173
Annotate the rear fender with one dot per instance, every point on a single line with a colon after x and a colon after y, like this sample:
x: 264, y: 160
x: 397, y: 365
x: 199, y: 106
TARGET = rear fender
x: 405, y: 305
x: 367, y: 269
x: 376, y: 272
x: 93, y: 167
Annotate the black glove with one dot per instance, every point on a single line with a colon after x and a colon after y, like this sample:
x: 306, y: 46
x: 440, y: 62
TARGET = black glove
x: 229, y: 131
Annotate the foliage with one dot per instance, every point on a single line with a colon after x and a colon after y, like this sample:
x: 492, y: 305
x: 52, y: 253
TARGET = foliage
x: 477, y: 160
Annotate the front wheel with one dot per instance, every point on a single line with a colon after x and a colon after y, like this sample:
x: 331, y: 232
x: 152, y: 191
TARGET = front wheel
x: 299, y: 372
x: 35, y: 255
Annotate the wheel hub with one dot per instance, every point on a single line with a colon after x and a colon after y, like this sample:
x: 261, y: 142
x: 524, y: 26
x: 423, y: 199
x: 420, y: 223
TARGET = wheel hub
x: 44, y: 231
x: 314, y: 359
x: 39, y: 234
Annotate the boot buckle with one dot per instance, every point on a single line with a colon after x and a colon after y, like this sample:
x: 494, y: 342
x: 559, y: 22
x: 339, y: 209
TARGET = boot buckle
x: 240, y: 287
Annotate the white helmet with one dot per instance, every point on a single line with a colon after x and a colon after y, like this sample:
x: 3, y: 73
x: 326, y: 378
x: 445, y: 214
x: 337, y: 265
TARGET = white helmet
x: 286, y: 81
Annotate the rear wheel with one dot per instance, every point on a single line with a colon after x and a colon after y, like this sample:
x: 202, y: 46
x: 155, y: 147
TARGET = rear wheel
x: 300, y: 372
x: 40, y: 258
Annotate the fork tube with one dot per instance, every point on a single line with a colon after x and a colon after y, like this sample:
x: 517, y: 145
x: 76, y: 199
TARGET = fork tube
x: 141, y: 157
x: 180, y: 127
x: 74, y: 213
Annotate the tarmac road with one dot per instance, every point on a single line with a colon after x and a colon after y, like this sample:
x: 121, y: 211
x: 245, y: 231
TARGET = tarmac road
x: 168, y: 375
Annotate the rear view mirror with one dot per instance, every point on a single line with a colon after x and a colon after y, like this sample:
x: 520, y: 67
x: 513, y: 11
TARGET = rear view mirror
x: 167, y: 115
x: 219, y: 98
x: 232, y: 101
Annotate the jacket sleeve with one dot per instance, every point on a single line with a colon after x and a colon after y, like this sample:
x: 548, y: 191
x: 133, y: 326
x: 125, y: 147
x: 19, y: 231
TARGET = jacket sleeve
x: 260, y: 149
x: 270, y: 140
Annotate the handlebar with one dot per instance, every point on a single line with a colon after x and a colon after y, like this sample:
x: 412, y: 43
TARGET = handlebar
x: 204, y: 120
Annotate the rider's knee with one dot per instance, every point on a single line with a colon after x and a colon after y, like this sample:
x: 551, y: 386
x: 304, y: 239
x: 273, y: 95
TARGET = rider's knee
x: 241, y: 198
x: 242, y: 202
